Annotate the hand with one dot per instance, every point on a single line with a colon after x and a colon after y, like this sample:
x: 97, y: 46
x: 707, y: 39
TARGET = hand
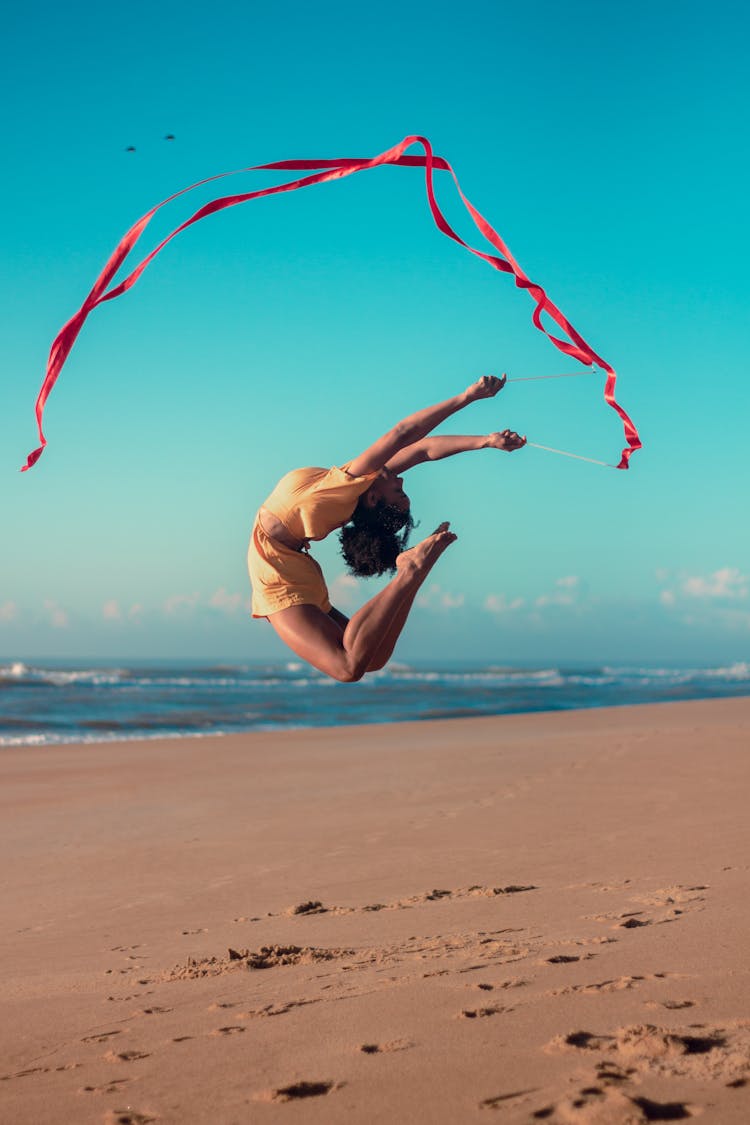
x: 506, y: 439
x: 486, y: 387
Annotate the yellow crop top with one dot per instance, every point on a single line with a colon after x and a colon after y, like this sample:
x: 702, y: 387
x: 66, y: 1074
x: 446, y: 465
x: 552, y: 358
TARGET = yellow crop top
x: 311, y: 503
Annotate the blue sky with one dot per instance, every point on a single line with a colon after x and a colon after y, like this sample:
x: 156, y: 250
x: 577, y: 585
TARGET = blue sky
x: 606, y: 145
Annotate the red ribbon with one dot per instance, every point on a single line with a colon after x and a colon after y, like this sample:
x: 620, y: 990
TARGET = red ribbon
x: 324, y: 170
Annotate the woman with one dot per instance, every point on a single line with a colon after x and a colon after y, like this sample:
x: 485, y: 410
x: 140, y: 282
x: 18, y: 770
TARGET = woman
x: 364, y: 498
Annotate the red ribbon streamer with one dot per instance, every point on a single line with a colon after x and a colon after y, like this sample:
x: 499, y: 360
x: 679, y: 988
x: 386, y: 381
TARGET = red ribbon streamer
x: 324, y: 170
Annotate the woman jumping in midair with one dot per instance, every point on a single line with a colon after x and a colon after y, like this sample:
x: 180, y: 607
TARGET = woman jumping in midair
x: 366, y: 500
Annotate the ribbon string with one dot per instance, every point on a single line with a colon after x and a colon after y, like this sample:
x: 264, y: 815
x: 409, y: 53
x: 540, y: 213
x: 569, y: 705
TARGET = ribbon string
x: 576, y: 456
x: 536, y: 378
x: 323, y: 171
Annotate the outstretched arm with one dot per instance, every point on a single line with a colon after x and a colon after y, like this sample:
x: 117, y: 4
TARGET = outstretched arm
x: 417, y: 426
x: 435, y: 448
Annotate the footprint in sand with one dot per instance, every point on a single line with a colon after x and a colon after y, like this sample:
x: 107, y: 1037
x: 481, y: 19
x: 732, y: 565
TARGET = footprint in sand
x: 124, y: 1056
x: 435, y: 895
x: 664, y: 1111
x: 25, y: 1073
x: 278, y: 1009
x: 514, y: 1100
x: 698, y: 1051
x: 509, y: 982
x: 478, y: 1013
x: 230, y: 1029
x: 298, y: 1090
x: 674, y: 895
x: 41, y: 1070
x: 312, y: 907
x: 128, y: 1117
x: 593, y: 1105
x: 100, y: 1037
x: 385, y: 1048
x: 672, y: 1005
x: 630, y: 920
x: 617, y: 984
x: 267, y: 957
x: 609, y: 1073
x: 583, y: 1041
x: 116, y: 1086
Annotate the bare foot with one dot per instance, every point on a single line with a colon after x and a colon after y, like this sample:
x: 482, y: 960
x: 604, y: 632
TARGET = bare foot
x: 424, y: 555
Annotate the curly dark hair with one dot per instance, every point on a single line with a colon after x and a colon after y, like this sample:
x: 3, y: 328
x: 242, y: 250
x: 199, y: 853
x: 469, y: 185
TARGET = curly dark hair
x: 370, y: 542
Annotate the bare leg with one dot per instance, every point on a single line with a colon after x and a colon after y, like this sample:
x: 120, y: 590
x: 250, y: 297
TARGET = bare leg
x: 393, y: 632
x: 388, y: 641
x: 396, y: 625
x: 346, y: 655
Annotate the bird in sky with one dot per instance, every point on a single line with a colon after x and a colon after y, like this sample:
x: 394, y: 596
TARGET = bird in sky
x: 130, y: 148
x: 169, y: 137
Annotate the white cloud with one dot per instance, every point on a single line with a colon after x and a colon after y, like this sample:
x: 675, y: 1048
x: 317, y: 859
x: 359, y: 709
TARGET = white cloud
x: 435, y: 597
x: 426, y: 596
x: 113, y: 611
x: 180, y: 604
x: 726, y: 583
x: 58, y: 617
x: 498, y: 603
x: 8, y: 611
x: 225, y: 602
x: 189, y: 605
x: 565, y: 593
x: 708, y: 600
x: 709, y: 591
x: 343, y: 591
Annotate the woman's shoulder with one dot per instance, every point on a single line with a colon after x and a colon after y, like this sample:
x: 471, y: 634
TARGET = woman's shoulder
x: 314, y: 481
x: 343, y: 473
x: 300, y: 480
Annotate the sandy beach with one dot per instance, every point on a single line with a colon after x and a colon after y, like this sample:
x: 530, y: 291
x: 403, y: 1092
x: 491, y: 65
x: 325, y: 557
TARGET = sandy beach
x: 528, y: 918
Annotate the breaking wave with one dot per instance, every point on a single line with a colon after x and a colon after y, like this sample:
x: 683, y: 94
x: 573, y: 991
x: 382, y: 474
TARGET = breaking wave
x: 45, y: 704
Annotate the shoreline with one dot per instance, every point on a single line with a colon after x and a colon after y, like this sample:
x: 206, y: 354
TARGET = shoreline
x: 539, y: 915
x: 460, y: 716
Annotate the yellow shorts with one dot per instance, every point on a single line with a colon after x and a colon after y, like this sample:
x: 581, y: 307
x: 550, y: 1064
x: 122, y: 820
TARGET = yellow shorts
x: 281, y: 577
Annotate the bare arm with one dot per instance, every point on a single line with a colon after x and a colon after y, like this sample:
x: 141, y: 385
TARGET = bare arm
x: 435, y: 448
x: 412, y: 429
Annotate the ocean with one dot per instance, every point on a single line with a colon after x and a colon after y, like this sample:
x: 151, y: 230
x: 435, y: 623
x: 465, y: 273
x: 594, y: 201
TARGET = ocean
x: 49, y: 703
